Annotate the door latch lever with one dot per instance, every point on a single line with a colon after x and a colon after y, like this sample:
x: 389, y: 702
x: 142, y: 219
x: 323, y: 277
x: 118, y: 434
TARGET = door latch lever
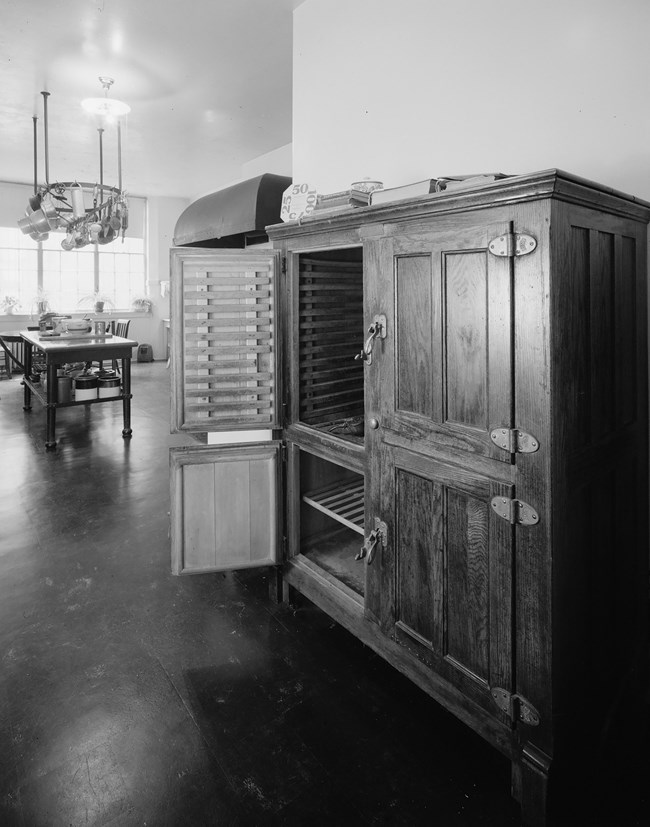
x: 376, y: 329
x: 378, y: 536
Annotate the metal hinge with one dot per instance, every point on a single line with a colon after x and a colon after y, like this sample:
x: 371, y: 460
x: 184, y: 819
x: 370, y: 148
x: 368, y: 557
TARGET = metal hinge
x: 516, y: 512
x: 283, y: 266
x: 516, y: 707
x: 514, y: 440
x: 512, y: 244
x: 283, y: 452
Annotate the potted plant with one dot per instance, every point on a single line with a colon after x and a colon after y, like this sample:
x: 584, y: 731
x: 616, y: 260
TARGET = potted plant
x: 10, y: 305
x: 142, y: 304
x: 99, y: 302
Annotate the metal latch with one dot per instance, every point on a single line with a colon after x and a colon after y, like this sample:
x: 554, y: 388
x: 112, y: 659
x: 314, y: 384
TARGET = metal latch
x: 516, y: 512
x: 512, y: 244
x: 514, y: 440
x: 516, y: 707
x: 376, y: 329
x: 378, y: 536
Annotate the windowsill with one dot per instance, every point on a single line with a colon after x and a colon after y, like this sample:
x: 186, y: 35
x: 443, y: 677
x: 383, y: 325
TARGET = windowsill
x: 123, y: 314
x: 23, y: 320
x: 81, y: 314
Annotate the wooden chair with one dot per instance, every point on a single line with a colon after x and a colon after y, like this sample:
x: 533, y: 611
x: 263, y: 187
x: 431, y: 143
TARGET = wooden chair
x: 12, y: 345
x: 120, y: 327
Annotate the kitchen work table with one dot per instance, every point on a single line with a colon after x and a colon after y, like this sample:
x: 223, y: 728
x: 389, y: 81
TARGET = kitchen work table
x: 67, y: 349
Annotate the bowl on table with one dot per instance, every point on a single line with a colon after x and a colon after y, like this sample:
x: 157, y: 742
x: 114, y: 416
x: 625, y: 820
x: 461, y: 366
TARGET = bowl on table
x: 78, y: 326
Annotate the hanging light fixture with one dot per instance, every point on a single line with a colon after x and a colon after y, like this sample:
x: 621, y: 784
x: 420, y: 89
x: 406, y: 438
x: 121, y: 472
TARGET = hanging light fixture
x: 107, y: 107
x: 90, y: 213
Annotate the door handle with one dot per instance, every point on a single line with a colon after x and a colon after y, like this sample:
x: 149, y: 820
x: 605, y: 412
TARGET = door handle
x: 376, y: 329
x: 368, y: 548
x: 378, y: 536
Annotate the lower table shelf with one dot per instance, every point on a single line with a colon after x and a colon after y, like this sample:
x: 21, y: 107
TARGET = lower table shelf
x: 40, y: 393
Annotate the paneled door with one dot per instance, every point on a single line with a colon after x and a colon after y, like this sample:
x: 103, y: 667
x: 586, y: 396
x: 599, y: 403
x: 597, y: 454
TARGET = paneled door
x: 225, y: 507
x: 441, y: 379
x: 443, y: 371
x: 442, y: 584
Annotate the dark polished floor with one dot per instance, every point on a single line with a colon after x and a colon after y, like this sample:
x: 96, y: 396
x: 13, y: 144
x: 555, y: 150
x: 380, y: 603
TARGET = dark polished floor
x: 131, y: 697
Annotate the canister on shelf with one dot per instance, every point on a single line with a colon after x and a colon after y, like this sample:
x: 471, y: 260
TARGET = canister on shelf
x: 64, y: 388
x: 85, y: 388
x: 108, y: 386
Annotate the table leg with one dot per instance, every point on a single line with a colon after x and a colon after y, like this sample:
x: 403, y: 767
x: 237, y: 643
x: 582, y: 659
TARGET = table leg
x: 126, y: 398
x: 27, y: 398
x: 52, y: 399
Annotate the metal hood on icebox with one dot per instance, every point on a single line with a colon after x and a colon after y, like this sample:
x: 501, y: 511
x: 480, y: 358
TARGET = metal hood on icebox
x: 231, y: 216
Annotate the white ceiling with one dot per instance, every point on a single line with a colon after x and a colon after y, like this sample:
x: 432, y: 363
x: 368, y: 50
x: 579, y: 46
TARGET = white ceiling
x: 208, y: 82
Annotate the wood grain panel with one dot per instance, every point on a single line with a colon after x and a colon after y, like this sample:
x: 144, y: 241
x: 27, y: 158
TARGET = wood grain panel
x: 466, y: 339
x: 599, y: 609
x: 199, y: 530
x: 602, y: 340
x: 262, y: 500
x: 626, y: 331
x: 414, y: 309
x: 602, y: 301
x: 232, y: 493
x: 574, y: 340
x: 418, y: 551
x: 467, y: 594
x: 601, y: 576
x: 224, y: 507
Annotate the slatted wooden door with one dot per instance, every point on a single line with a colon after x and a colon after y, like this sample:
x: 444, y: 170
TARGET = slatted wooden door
x: 224, y: 324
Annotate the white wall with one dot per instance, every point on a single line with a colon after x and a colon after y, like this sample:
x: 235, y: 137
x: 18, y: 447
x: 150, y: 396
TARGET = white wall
x: 162, y: 214
x: 278, y: 162
x: 402, y: 90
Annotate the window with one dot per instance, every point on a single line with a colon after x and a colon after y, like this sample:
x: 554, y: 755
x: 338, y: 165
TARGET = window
x: 18, y: 271
x: 30, y: 271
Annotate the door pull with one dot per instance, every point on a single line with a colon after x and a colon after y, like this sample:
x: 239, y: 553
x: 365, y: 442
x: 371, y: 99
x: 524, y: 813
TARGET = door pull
x: 378, y: 536
x: 376, y: 329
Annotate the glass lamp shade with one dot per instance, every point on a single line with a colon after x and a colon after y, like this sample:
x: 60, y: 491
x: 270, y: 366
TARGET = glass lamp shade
x: 107, y: 107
